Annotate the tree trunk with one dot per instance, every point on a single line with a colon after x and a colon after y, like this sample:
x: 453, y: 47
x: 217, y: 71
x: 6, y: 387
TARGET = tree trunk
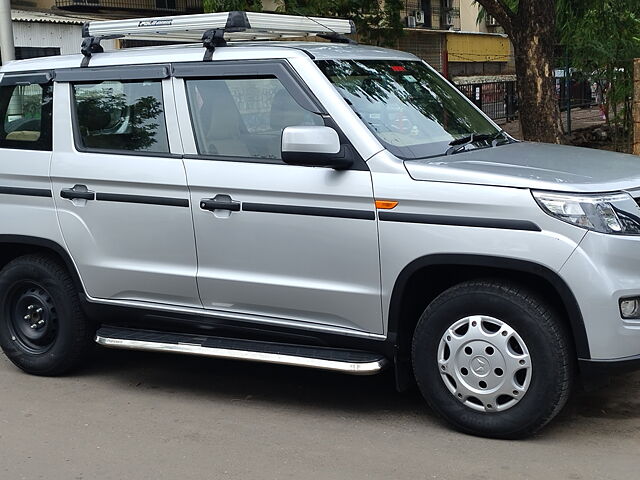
x: 532, y: 30
x: 537, y: 98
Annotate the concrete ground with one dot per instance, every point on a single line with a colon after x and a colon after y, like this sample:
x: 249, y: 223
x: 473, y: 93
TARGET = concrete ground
x: 580, y: 119
x: 134, y: 415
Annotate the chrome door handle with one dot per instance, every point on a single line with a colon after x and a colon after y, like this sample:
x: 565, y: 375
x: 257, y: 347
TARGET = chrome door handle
x: 78, y: 192
x: 219, y: 202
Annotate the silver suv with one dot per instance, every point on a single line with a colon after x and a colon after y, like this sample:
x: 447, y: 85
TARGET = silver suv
x: 317, y: 204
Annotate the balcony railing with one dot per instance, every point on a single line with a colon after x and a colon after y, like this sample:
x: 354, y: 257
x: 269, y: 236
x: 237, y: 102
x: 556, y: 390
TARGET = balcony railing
x: 158, y: 6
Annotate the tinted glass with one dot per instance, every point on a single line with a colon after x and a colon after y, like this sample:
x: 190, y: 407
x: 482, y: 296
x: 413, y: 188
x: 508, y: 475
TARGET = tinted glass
x: 412, y: 110
x: 26, y: 117
x: 125, y: 116
x: 243, y: 117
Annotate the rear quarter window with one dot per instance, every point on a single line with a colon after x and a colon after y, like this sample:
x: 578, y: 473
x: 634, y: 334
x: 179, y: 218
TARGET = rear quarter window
x: 25, y: 117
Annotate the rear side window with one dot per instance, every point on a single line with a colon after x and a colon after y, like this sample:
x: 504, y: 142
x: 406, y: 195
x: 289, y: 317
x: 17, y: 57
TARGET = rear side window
x: 25, y: 117
x: 125, y: 116
x: 243, y: 117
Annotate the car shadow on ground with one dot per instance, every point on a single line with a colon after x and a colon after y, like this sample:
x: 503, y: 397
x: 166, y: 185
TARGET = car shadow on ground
x: 237, y: 380
x: 314, y: 390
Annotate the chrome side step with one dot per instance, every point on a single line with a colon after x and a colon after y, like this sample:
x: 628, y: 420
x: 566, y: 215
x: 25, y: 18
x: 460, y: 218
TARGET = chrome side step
x: 347, y: 361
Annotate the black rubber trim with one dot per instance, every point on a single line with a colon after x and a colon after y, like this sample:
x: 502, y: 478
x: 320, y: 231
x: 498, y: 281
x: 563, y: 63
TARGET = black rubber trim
x: 142, y: 199
x: 254, y: 68
x: 29, y: 78
x: 395, y: 325
x: 598, y: 368
x: 504, y: 224
x: 122, y: 73
x: 26, y: 192
x: 241, y: 344
x: 310, y: 211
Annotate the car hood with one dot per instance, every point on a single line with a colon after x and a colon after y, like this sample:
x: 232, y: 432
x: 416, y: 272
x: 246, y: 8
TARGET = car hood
x: 534, y: 165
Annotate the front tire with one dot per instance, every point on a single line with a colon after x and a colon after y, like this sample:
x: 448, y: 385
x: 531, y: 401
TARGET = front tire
x: 494, y: 360
x: 43, y: 330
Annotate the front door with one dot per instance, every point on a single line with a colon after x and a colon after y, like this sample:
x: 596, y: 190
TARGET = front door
x: 276, y: 243
x: 120, y: 186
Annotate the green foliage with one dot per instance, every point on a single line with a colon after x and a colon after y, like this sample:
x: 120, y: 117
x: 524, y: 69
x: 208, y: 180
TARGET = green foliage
x: 602, y: 38
x: 377, y: 22
x: 482, y: 13
x: 231, y: 5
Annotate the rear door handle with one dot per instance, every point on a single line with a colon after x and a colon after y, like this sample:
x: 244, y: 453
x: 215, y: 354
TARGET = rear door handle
x: 220, y: 202
x: 78, y: 192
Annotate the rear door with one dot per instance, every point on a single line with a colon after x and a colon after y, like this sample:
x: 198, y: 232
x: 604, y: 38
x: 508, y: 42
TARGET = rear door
x: 289, y: 245
x: 26, y: 206
x: 120, y: 185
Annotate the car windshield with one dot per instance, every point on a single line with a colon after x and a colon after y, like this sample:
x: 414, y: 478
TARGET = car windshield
x: 414, y: 112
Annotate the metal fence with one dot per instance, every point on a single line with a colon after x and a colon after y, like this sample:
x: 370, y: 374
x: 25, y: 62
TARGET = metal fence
x: 499, y: 100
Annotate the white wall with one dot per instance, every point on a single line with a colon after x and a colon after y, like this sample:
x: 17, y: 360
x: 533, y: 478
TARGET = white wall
x: 468, y: 16
x: 66, y: 37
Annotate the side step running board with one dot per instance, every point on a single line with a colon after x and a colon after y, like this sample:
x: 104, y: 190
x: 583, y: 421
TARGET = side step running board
x: 354, y: 362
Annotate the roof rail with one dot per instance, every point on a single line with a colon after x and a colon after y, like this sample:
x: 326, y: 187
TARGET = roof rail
x: 214, y: 29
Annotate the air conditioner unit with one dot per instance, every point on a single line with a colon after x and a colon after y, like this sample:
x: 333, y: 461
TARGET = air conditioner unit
x: 411, y: 21
x: 448, y: 20
x: 491, y: 21
x: 420, y: 17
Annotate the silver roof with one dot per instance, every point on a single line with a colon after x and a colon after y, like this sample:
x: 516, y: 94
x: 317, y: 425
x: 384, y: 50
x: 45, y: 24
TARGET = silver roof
x: 194, y: 53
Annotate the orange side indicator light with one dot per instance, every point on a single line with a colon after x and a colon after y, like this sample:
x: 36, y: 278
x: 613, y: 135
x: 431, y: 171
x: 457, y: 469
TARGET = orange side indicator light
x: 386, y: 204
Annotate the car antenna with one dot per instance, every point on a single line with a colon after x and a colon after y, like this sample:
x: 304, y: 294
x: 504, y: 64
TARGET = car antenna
x: 333, y: 37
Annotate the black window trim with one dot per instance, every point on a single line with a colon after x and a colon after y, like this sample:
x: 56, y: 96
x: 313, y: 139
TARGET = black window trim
x: 40, y: 77
x: 279, y: 68
x: 77, y: 136
x: 44, y: 78
x: 114, y: 73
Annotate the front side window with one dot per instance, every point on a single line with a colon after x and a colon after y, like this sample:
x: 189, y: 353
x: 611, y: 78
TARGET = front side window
x: 123, y: 116
x: 25, y: 117
x: 413, y: 111
x: 243, y: 117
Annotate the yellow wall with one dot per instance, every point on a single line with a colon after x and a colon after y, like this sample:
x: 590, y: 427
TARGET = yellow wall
x: 477, y: 48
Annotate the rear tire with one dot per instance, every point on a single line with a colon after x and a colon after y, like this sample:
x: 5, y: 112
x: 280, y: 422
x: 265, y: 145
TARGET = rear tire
x: 43, y: 330
x: 493, y: 359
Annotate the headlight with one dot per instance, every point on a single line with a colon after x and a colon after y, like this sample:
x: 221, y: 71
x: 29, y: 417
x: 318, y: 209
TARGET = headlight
x: 616, y: 213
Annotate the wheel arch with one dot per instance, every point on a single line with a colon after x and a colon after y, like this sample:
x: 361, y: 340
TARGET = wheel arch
x: 414, y: 289
x: 14, y: 246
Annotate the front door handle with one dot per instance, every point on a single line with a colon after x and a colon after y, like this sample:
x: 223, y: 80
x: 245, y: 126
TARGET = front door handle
x: 78, y: 192
x: 220, y: 202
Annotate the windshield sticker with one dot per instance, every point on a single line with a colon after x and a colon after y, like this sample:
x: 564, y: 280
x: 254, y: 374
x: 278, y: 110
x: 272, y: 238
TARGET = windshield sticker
x: 410, y: 78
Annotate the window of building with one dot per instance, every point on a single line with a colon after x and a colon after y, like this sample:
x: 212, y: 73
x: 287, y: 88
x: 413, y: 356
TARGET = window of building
x: 25, y: 113
x: 166, y: 4
x: 23, y: 53
x: 126, y: 116
x: 243, y: 117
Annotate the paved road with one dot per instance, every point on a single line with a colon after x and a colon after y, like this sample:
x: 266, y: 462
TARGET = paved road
x: 133, y: 415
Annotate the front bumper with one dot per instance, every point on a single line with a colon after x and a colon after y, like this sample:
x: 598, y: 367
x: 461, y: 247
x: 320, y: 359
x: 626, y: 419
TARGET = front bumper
x: 601, y: 270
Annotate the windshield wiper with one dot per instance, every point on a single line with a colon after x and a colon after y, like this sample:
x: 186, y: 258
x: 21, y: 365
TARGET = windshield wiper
x: 458, y: 144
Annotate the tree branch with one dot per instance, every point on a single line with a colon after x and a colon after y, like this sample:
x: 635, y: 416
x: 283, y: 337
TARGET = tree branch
x: 499, y: 10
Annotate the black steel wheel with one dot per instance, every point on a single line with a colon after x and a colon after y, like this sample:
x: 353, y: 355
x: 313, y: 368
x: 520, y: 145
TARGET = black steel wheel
x: 42, y: 327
